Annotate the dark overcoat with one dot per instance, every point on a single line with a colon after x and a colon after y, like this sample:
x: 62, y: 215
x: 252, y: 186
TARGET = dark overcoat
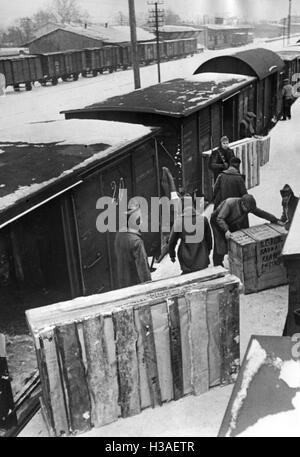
x: 230, y: 216
x: 132, y: 260
x: 230, y: 183
x: 192, y: 256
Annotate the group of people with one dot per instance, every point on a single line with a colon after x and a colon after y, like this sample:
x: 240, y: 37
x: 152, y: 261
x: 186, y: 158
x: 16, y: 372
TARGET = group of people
x: 232, y: 205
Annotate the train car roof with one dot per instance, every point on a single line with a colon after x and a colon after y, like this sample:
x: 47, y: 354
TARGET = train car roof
x: 259, y: 62
x: 176, y: 98
x: 39, y: 160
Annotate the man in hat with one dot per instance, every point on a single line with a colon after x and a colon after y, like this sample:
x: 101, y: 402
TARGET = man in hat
x: 220, y: 158
x: 232, y: 215
x: 289, y: 204
x: 193, y: 254
x: 230, y: 183
x: 287, y: 99
x: 132, y: 260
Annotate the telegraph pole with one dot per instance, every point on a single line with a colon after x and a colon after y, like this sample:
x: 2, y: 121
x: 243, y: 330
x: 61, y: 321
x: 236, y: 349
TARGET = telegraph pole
x: 156, y: 19
x: 134, y: 47
x: 289, y: 21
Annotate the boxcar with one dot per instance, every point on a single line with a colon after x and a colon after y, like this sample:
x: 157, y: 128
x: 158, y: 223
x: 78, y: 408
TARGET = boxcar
x: 48, y: 232
x: 291, y: 58
x: 193, y: 113
x: 111, y: 58
x: 266, y: 66
x: 24, y: 69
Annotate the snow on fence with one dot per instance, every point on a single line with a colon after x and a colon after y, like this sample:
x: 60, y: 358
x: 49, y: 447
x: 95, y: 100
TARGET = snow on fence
x: 114, y: 354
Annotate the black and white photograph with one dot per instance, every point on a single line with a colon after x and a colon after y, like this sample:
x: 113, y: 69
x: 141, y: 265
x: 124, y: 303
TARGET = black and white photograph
x: 149, y: 221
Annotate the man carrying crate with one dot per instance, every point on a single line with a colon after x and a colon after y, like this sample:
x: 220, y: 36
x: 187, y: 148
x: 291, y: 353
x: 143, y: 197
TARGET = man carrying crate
x: 232, y: 215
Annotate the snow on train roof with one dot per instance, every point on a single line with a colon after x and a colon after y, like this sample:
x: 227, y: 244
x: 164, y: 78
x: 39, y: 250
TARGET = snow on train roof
x: 36, y: 155
x: 177, y: 97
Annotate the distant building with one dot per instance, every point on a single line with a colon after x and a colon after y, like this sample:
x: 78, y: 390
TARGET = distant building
x: 268, y: 30
x: 55, y: 37
x: 219, y: 36
x: 177, y: 32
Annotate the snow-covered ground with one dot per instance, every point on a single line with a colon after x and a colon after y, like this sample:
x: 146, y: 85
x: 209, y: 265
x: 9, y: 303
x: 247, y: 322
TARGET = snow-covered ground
x: 262, y: 313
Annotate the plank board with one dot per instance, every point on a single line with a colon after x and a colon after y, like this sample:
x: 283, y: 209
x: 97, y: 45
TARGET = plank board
x: 198, y: 334
x: 163, y: 353
x: 99, y: 375
x: 150, y: 355
x: 56, y: 395
x: 127, y: 362
x: 213, y: 324
x: 229, y: 334
x: 184, y: 317
x: 143, y: 379
x: 175, y: 344
x: 74, y: 377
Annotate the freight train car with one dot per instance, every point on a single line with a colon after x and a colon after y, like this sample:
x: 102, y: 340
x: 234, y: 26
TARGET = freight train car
x: 193, y: 112
x: 267, y: 67
x: 25, y: 69
x: 50, y: 244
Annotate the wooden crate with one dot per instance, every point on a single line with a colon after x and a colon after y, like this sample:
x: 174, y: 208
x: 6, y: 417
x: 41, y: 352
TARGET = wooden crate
x: 263, y: 145
x: 254, y: 257
x: 246, y: 150
x: 114, y: 354
x: 263, y: 392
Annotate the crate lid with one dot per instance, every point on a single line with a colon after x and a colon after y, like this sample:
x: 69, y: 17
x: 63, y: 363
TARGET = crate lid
x: 258, y: 233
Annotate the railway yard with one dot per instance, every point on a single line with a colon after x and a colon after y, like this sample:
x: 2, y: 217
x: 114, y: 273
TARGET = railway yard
x: 260, y: 313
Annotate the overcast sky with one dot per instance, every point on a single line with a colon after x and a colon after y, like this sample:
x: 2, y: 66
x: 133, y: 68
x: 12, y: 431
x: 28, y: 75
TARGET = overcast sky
x: 105, y: 10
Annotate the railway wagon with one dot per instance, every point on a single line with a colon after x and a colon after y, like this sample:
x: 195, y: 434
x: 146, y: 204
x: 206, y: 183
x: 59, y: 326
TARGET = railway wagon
x: 193, y: 112
x: 62, y: 65
x: 25, y: 69
x: 267, y: 67
x: 51, y: 248
x: 111, y: 57
x: 291, y: 58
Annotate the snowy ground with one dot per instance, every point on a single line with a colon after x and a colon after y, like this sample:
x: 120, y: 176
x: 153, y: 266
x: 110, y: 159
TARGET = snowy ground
x: 262, y: 313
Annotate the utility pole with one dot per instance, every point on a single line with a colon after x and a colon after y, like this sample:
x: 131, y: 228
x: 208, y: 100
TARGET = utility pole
x: 156, y: 19
x: 289, y: 21
x: 284, y: 28
x: 134, y: 47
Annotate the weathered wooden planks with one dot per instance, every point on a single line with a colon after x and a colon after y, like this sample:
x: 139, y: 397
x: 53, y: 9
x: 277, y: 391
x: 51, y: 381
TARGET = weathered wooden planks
x: 254, y: 256
x: 175, y: 345
x: 138, y: 352
x: 74, y: 377
x: 104, y: 408
x: 149, y: 353
x: 126, y: 340
x: 198, y: 333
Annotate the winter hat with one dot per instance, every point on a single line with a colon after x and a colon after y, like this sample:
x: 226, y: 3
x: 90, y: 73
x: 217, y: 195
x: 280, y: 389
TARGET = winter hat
x: 249, y: 202
x: 133, y: 206
x: 224, y: 138
x: 286, y: 190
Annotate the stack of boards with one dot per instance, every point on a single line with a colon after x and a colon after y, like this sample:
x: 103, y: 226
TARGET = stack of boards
x: 255, y: 257
x: 112, y: 355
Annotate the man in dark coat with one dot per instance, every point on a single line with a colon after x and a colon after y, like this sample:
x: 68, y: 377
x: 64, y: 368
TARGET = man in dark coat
x: 287, y: 99
x: 232, y: 215
x: 289, y: 204
x: 220, y: 158
x: 132, y: 260
x: 192, y: 255
x: 230, y: 183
